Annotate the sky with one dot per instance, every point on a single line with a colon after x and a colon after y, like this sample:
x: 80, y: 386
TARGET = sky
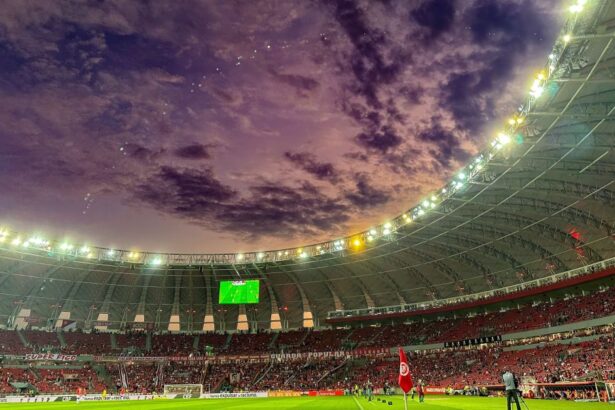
x: 215, y: 126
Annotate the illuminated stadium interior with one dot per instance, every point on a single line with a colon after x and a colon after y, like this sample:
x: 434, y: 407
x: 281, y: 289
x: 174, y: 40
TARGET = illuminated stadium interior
x: 516, y: 251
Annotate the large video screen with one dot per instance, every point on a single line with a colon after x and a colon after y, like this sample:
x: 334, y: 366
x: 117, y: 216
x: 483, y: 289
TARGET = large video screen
x: 238, y: 292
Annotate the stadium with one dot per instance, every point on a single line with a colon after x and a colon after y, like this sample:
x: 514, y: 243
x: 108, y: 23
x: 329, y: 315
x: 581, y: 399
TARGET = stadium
x: 507, y: 267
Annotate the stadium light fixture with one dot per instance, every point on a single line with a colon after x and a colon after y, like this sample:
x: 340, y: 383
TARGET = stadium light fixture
x: 386, y: 231
x: 537, y: 88
x: 567, y: 38
x: 356, y: 243
x: 84, y: 249
x: 461, y: 176
x: 66, y: 246
x: 157, y: 262
x: 576, y: 8
x: 503, y: 138
x: 239, y: 256
x: 372, y: 232
x: 110, y: 252
x: 303, y: 255
x: 260, y: 255
x: 16, y: 241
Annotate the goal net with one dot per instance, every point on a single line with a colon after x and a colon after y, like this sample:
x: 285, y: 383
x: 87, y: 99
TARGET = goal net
x: 183, y: 389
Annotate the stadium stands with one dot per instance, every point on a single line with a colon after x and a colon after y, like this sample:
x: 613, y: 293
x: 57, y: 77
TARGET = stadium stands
x: 172, y: 345
x: 87, y: 343
x: 11, y: 343
x: 469, y: 365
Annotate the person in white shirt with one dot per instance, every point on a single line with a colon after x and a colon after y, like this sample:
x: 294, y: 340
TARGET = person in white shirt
x: 510, y: 384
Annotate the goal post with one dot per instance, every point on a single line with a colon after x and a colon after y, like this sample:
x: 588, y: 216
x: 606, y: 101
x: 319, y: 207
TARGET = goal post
x: 187, y: 390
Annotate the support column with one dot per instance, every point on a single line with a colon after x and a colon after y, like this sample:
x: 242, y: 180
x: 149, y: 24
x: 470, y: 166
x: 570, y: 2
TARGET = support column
x: 209, y: 324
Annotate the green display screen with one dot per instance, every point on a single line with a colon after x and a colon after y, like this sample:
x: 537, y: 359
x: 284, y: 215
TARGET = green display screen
x: 238, y: 292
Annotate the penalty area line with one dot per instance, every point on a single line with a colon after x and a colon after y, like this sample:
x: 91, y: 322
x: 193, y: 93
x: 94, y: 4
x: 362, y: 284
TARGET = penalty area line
x: 357, y: 402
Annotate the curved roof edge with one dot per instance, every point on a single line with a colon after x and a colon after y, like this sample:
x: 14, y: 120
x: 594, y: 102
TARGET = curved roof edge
x: 558, y: 281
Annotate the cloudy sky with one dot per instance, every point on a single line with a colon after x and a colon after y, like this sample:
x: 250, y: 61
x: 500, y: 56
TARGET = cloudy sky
x: 245, y: 125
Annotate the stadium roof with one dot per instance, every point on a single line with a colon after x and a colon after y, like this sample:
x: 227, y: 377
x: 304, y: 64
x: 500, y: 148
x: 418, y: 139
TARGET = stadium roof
x: 539, y: 200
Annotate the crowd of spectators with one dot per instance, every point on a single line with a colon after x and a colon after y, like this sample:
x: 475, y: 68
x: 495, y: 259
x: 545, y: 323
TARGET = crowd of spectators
x: 426, y: 331
x: 172, y: 345
x: 467, y: 366
x: 67, y: 380
x: 91, y: 343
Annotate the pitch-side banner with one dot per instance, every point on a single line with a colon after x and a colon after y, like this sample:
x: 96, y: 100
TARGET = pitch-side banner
x: 51, y: 356
x: 37, y: 399
x: 253, y: 395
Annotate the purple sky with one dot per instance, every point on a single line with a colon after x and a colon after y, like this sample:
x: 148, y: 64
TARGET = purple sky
x: 207, y: 126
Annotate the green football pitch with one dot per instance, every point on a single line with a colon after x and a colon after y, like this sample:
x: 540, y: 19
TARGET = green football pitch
x: 320, y: 403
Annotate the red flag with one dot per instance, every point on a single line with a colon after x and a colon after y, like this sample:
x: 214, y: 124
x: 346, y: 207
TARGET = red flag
x: 405, y: 378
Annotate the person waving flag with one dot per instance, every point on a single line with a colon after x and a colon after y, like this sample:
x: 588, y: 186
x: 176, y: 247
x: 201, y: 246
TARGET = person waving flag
x: 405, y: 378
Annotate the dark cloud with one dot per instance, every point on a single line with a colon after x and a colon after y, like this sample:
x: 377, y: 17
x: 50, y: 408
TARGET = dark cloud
x: 412, y: 94
x: 447, y: 145
x: 275, y: 210
x: 143, y: 153
x: 365, y: 195
x: 435, y: 17
x: 187, y: 193
x: 382, y: 141
x: 113, y: 119
x: 368, y: 64
x: 193, y: 152
x: 309, y: 163
x: 302, y: 84
x: 270, y: 209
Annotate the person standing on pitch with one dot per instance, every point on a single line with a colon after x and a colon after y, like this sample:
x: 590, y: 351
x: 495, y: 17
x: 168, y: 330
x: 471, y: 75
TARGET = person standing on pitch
x: 510, y: 384
x: 420, y: 388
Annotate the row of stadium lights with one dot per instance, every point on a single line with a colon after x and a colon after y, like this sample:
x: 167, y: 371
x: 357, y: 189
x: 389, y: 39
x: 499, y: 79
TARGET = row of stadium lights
x: 358, y: 241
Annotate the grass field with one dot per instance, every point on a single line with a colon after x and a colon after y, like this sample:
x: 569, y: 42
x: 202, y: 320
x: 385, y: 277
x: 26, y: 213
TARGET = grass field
x: 320, y: 403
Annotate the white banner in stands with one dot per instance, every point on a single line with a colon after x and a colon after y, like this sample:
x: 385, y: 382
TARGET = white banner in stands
x: 51, y: 356
x: 253, y: 395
